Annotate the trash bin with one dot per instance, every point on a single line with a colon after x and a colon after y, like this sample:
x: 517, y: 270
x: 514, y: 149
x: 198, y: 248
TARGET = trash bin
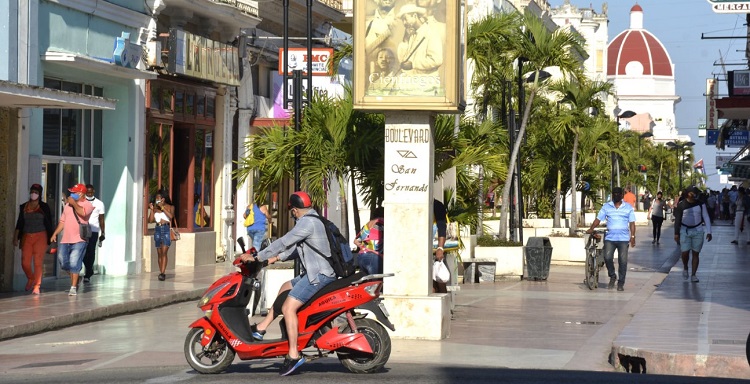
x: 538, y: 257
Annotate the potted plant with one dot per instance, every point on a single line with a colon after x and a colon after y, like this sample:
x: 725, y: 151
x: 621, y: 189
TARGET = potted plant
x: 566, y: 247
x: 506, y: 255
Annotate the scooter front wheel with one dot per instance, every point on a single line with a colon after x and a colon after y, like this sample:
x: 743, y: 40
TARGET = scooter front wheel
x: 380, y: 342
x: 214, y: 358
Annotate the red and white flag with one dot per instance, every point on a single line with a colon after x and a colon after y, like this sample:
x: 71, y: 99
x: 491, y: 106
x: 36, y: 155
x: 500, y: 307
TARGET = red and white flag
x: 699, y: 164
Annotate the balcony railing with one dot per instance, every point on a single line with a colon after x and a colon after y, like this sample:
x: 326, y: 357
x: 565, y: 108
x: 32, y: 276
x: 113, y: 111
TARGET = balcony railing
x: 335, y: 4
x: 247, y: 7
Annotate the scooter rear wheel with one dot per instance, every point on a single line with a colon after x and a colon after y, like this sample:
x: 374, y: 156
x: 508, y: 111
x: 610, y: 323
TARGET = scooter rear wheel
x: 380, y: 342
x: 215, y: 358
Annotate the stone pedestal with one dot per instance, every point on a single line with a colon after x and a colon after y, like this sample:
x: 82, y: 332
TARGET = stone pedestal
x: 415, y: 311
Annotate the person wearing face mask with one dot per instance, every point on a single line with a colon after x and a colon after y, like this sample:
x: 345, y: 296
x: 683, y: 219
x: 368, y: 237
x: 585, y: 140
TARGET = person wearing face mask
x: 96, y: 222
x: 72, y: 247
x: 33, y: 230
x: 307, y: 235
x: 161, y: 212
x: 691, y: 223
x: 620, y: 219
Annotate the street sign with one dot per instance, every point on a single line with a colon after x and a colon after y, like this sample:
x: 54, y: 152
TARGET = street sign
x: 730, y: 6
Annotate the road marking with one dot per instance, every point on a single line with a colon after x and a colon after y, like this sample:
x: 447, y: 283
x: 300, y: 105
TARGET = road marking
x: 110, y: 361
x: 177, y: 377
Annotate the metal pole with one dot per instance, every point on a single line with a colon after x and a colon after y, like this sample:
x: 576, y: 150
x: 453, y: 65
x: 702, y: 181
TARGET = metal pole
x: 521, y: 111
x: 309, y: 50
x: 511, y: 140
x: 612, y: 160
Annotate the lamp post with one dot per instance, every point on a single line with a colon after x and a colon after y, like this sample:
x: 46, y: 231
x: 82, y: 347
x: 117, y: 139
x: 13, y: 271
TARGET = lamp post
x: 615, y: 168
x: 640, y: 138
x: 680, y: 155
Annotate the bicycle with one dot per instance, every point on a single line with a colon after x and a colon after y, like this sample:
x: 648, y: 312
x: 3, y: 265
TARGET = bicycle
x: 594, y: 258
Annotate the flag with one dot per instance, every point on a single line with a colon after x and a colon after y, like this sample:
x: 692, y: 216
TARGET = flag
x: 699, y: 164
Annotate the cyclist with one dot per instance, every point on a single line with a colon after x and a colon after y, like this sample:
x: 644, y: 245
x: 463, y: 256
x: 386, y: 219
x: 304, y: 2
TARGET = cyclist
x: 620, y: 233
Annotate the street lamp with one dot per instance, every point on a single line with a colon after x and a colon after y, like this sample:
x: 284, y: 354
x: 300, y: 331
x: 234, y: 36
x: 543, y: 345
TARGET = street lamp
x: 680, y: 154
x: 624, y: 115
x: 640, y: 138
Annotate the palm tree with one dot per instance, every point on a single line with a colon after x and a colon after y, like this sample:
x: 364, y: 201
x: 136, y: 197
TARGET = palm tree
x: 582, y: 97
x: 542, y: 49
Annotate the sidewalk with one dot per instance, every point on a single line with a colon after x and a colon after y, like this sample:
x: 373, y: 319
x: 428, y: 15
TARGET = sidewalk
x: 676, y: 327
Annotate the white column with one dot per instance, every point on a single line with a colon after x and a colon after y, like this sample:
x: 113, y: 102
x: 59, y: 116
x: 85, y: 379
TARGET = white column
x: 415, y: 311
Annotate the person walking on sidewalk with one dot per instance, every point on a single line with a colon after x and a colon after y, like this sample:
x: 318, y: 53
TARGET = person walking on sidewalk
x: 72, y: 246
x: 162, y: 213
x: 741, y: 211
x: 620, y: 217
x: 96, y: 222
x: 33, y: 230
x: 691, y: 222
x: 257, y: 231
x: 656, y: 215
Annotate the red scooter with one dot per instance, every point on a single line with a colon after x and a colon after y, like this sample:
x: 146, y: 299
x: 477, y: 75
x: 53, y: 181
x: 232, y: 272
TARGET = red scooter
x: 328, y: 323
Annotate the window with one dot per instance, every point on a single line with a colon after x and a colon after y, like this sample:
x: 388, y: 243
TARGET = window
x: 159, y: 156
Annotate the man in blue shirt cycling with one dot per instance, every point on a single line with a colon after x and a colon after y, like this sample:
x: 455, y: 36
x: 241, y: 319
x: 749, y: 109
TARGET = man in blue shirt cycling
x: 620, y: 219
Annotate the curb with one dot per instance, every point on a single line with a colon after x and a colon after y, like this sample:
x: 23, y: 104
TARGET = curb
x: 128, y: 307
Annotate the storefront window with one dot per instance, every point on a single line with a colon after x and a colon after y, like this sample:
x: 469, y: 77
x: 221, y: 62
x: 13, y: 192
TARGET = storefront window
x: 159, y: 144
x: 200, y: 105
x: 179, y: 102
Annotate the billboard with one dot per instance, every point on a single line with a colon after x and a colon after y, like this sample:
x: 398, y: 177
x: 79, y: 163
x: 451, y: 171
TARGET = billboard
x: 407, y: 55
x: 297, y: 60
x: 739, y: 82
x: 712, y: 115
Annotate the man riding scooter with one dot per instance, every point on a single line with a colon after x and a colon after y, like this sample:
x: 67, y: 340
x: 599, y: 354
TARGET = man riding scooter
x: 307, y: 233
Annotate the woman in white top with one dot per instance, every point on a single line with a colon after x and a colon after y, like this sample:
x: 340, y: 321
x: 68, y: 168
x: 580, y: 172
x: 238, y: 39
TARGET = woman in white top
x: 656, y: 215
x: 161, y: 212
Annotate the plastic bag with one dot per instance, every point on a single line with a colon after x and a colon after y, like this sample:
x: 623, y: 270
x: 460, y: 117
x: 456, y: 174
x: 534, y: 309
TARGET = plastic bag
x: 440, y: 272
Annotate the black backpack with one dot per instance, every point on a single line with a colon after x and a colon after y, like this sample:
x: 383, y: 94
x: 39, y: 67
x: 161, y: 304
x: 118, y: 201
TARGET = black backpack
x: 342, y: 258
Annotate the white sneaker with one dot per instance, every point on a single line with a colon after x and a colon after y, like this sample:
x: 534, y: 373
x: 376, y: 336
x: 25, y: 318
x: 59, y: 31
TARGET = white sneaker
x: 694, y: 279
x: 73, y: 291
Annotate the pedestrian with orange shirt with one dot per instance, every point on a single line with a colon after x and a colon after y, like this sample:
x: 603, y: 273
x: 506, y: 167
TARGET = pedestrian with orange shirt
x: 72, y: 245
x: 629, y: 197
x: 33, y: 230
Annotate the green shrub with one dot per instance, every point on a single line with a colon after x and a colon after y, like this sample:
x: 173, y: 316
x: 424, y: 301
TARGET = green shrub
x: 492, y: 241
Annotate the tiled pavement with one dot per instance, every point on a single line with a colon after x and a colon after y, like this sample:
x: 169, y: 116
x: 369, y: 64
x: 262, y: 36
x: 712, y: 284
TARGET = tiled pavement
x: 677, y: 327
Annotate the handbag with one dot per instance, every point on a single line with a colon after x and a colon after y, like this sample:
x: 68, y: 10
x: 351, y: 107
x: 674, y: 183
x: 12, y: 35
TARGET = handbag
x: 250, y: 218
x: 174, y: 234
x: 83, y: 228
x: 440, y: 272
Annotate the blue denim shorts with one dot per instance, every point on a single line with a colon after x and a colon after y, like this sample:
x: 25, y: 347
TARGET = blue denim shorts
x: 303, y: 290
x: 161, y: 236
x: 70, y: 256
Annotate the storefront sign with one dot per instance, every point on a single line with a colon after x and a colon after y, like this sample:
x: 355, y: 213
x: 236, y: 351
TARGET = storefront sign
x: 297, y: 60
x: 739, y: 82
x: 720, y: 160
x: 202, y: 58
x: 323, y: 85
x: 408, y: 57
x: 126, y: 54
x: 737, y: 139
x: 712, y: 115
x: 408, y: 148
x: 730, y: 6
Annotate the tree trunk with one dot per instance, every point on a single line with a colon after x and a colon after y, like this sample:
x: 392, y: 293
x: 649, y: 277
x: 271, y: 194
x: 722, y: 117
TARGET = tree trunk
x: 573, y: 202
x: 512, y: 164
x: 658, y: 181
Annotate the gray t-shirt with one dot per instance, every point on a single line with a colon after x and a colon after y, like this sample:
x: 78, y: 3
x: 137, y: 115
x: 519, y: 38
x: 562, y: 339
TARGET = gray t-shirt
x: 306, y: 232
x: 657, y: 208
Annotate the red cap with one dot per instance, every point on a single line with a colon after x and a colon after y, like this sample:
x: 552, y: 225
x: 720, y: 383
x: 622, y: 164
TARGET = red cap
x: 78, y: 188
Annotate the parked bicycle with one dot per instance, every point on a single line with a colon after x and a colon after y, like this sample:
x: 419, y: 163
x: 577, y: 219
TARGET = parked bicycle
x: 594, y: 257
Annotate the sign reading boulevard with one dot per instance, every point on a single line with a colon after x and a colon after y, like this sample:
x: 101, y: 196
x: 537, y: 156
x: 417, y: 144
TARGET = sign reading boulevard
x: 730, y: 6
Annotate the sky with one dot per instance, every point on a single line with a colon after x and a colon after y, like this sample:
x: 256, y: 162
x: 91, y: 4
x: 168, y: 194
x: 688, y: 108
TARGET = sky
x: 678, y: 24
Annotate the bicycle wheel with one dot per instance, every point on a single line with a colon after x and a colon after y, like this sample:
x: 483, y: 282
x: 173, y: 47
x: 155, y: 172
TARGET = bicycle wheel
x: 592, y: 270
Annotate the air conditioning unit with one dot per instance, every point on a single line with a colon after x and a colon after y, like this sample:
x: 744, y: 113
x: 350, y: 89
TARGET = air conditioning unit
x: 154, y: 54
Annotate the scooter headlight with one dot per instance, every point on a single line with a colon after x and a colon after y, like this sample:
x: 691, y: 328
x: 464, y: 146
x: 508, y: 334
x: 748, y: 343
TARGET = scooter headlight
x: 210, y: 294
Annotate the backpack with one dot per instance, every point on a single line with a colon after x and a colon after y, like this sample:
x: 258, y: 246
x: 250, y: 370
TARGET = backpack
x: 342, y: 259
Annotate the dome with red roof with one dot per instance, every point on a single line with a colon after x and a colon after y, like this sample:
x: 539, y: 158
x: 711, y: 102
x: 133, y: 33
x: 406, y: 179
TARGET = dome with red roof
x: 637, y: 52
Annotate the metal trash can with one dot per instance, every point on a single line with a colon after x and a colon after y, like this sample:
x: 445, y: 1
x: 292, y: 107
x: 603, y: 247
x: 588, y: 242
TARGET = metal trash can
x: 538, y: 252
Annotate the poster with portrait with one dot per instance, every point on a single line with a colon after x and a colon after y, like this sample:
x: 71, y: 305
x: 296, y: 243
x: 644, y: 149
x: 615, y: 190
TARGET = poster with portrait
x: 407, y: 55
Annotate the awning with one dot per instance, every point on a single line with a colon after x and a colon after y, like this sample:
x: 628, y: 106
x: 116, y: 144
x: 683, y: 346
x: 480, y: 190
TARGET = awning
x: 733, y: 107
x: 89, y: 64
x: 15, y: 95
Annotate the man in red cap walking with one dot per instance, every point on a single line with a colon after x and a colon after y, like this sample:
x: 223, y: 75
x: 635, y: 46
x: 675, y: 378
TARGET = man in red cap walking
x: 73, y: 245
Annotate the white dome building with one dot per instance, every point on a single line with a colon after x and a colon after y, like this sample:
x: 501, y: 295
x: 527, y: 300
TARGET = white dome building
x: 643, y: 75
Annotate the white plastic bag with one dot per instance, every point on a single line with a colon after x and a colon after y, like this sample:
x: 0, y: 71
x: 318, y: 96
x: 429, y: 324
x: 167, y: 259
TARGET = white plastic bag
x: 440, y: 272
